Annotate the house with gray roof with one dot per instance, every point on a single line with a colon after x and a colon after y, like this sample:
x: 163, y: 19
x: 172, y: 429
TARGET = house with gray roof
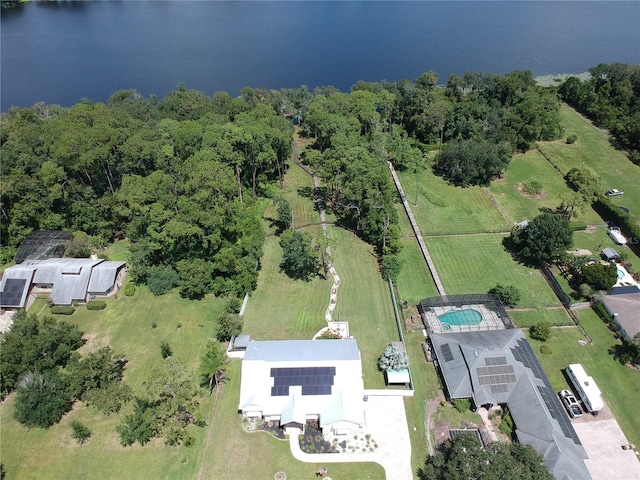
x: 295, y: 381
x: 499, y: 367
x: 623, y: 304
x: 65, y: 279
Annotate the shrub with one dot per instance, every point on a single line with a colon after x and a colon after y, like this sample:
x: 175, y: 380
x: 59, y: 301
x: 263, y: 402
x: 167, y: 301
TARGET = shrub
x: 585, y: 290
x: 533, y: 187
x: 129, y: 290
x: 541, y: 331
x: 228, y: 326
x: 506, y: 425
x: 509, y: 294
x: 96, y: 305
x: 462, y: 404
x: 154, y: 325
x: 161, y: 279
x: 80, y: 432
x: 62, y: 310
x: 234, y: 305
x: 165, y: 350
x: 546, y: 349
x: 572, y: 138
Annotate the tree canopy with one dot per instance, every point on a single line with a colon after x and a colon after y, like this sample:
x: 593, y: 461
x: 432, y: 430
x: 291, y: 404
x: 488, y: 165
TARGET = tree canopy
x: 464, y: 457
x: 546, y: 237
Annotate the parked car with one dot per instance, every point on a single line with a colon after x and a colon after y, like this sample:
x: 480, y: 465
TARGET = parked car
x: 570, y: 403
x: 614, y: 192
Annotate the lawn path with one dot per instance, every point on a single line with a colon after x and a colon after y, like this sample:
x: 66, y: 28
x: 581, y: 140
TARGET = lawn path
x: 414, y: 225
x: 333, y: 300
x: 209, y: 434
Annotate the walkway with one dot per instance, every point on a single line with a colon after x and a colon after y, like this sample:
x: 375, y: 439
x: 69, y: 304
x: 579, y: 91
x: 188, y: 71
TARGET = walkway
x: 414, y: 225
x: 382, y: 415
x: 333, y: 298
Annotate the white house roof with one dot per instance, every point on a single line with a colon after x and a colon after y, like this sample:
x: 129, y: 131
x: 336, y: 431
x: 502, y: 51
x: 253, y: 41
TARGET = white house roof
x: 103, y: 276
x: 296, y: 378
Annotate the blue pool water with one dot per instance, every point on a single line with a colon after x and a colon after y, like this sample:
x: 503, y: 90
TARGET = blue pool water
x: 460, y: 318
x: 620, y: 274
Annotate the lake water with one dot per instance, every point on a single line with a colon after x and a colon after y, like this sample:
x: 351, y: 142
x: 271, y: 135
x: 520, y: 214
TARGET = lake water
x: 61, y: 52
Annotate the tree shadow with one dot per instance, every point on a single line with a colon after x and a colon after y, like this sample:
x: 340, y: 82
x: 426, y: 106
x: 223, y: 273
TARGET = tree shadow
x: 319, y: 196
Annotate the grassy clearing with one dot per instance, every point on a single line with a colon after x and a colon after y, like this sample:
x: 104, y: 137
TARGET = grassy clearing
x: 620, y: 385
x: 415, y: 281
x: 236, y: 454
x: 125, y: 325
x: 556, y: 316
x: 426, y: 386
x: 364, y: 301
x: 282, y: 308
x: 594, y: 151
x: 443, y: 208
x: 517, y: 206
x: 474, y: 264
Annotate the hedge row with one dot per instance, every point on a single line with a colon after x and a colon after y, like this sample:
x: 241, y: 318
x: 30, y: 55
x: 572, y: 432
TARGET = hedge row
x: 62, y: 310
x: 96, y: 305
x: 609, y: 211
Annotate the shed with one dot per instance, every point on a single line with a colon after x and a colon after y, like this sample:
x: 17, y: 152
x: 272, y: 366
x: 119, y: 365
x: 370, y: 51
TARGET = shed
x: 610, y: 254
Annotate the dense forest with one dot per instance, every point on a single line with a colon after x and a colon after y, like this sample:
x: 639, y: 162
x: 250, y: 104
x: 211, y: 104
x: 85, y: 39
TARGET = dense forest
x: 611, y: 98
x: 183, y: 178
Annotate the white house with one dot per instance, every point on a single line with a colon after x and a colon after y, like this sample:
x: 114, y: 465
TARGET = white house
x: 295, y: 381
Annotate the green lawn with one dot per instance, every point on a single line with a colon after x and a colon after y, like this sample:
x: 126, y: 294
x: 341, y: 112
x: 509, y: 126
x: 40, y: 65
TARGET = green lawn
x: 125, y: 325
x: 282, y: 308
x: 593, y: 150
x: 475, y: 263
x: 415, y: 281
x: 620, y: 385
x: 556, y: 316
x: 364, y: 301
x: 532, y: 166
x: 443, y: 208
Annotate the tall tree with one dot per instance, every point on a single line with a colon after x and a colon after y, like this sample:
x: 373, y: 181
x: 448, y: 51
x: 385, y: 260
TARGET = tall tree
x: 213, y: 364
x: 546, y: 237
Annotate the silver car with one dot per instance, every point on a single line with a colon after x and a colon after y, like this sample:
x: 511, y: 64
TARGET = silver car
x: 571, y: 404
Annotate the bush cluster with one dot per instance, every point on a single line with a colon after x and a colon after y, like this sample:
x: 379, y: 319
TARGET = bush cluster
x: 62, y: 310
x: 610, y: 211
x: 130, y: 290
x: 96, y: 305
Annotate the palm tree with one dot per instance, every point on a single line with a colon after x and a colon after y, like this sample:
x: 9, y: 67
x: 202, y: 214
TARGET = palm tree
x: 213, y: 364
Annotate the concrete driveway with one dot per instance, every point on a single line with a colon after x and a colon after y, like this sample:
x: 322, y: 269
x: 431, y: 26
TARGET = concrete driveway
x: 386, y: 422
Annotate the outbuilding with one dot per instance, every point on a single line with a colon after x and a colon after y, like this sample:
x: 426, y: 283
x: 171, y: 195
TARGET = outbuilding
x: 610, y: 255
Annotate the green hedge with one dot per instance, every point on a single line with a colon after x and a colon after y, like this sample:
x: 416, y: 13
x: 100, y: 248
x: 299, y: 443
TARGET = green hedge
x: 96, y: 305
x: 129, y: 290
x: 609, y: 211
x: 62, y: 310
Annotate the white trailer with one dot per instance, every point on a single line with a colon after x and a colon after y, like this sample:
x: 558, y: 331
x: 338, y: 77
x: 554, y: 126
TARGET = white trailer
x: 586, y: 388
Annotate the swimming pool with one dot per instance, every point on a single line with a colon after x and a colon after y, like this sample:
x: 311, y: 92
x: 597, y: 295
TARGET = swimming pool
x: 460, y: 318
x: 621, y: 273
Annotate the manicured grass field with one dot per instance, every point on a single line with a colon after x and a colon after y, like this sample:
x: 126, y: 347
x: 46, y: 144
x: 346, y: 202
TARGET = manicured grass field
x: 516, y: 205
x: 556, y: 316
x: 475, y: 263
x: 594, y: 151
x: 443, y: 208
x: 364, y: 301
x: 620, y: 385
x: 282, y: 308
x: 415, y: 281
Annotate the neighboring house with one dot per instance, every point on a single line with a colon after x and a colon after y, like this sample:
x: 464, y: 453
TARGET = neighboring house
x: 295, y: 381
x: 65, y: 279
x: 623, y: 304
x: 499, y: 367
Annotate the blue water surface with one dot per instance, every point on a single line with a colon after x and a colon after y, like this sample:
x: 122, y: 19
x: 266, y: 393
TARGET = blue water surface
x: 60, y: 52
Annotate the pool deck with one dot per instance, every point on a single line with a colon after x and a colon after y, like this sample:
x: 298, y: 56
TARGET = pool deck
x: 490, y: 320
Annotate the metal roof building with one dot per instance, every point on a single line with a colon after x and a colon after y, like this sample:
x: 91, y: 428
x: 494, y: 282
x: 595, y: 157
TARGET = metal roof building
x: 292, y: 381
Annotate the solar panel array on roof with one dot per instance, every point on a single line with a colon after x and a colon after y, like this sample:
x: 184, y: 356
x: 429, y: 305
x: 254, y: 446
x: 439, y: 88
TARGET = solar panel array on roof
x: 447, y: 356
x: 524, y: 354
x: 313, y: 380
x: 557, y: 411
x: 12, y: 293
x: 490, y: 361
